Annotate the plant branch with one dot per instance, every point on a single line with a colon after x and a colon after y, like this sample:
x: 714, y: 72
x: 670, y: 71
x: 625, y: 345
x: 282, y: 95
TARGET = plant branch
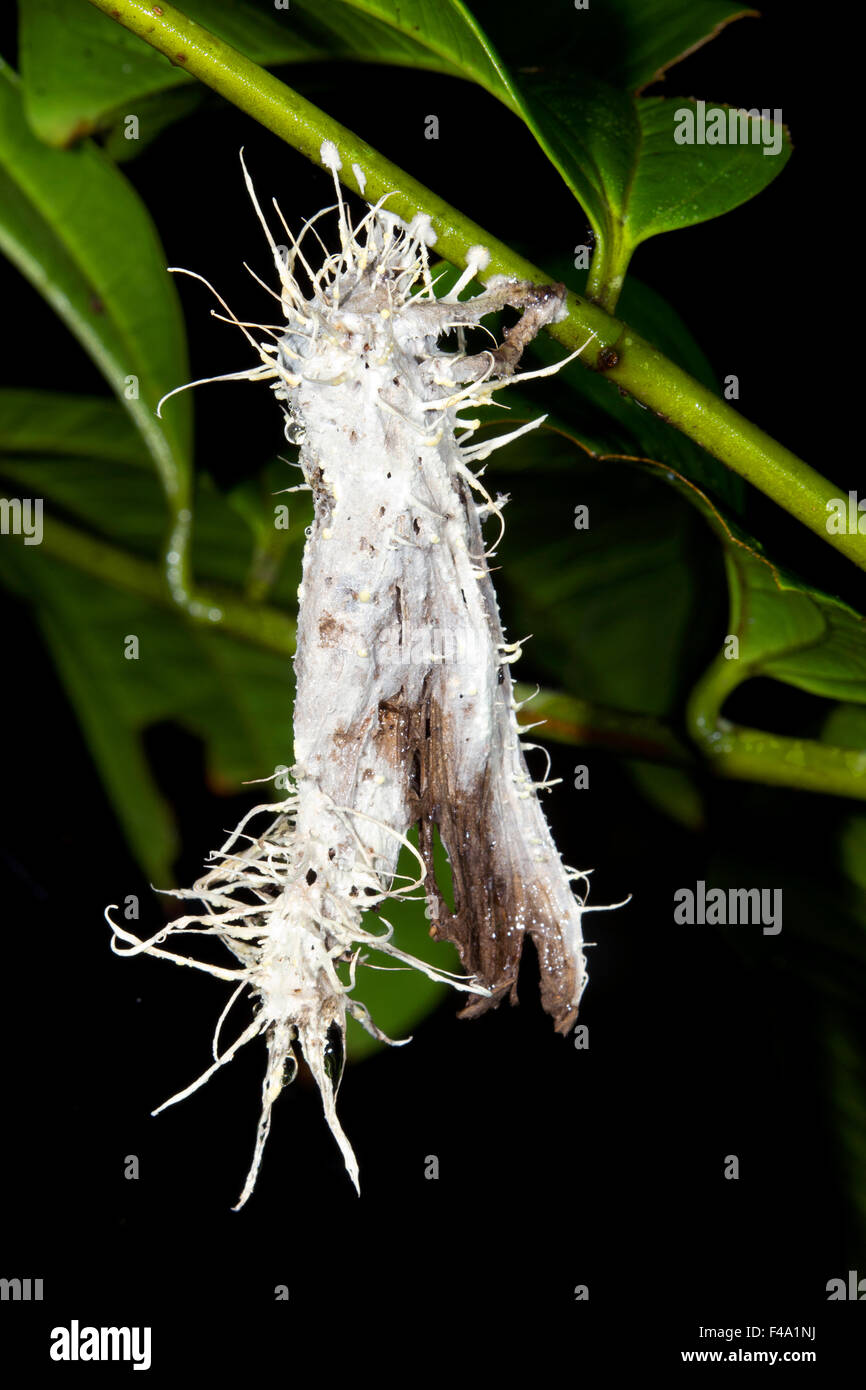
x: 572, y: 721
x: 756, y: 755
x: 745, y: 754
x: 218, y: 610
x: 568, y: 720
x: 613, y: 348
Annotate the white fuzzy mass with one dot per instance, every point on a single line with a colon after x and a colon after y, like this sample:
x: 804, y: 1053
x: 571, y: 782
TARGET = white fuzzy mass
x: 404, y: 714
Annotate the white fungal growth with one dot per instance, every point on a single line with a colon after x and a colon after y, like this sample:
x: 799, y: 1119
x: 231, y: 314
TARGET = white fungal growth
x: 331, y: 156
x: 404, y: 713
x: 288, y: 904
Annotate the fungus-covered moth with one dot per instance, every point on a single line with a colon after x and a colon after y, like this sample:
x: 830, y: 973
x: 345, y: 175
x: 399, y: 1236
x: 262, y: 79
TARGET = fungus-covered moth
x: 405, y: 713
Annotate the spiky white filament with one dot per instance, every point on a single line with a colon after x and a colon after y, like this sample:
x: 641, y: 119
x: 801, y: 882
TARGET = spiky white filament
x: 291, y: 911
x: 375, y: 402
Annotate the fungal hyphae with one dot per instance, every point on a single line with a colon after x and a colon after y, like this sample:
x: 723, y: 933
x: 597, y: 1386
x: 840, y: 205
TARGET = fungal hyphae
x: 404, y: 713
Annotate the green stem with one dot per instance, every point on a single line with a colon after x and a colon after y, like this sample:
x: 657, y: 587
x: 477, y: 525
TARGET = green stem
x: 739, y: 753
x: 612, y: 347
x: 218, y: 610
x: 755, y: 755
x: 569, y: 720
x: 610, y: 261
x: 572, y: 721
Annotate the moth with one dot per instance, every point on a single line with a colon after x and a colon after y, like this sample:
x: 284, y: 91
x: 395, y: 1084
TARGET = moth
x: 405, y: 712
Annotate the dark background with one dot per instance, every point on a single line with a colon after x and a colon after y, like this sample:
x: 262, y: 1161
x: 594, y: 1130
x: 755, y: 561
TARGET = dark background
x: 557, y: 1167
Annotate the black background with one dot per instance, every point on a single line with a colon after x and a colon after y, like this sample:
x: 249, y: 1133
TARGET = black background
x: 557, y: 1167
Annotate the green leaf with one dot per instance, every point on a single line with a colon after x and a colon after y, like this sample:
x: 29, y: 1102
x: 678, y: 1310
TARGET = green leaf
x: 84, y: 627
x: 233, y: 697
x: 611, y: 605
x: 627, y: 576
x: 588, y: 407
x: 625, y: 612
x: 671, y: 790
x: 617, y: 153
x: 154, y: 115
x: 787, y: 630
x: 78, y: 231
x: 445, y: 37
x: 780, y: 628
x: 846, y: 727
x: 621, y: 157
x: 96, y: 477
x: 125, y: 507
x: 49, y: 422
x: 81, y: 71
x: 628, y: 43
